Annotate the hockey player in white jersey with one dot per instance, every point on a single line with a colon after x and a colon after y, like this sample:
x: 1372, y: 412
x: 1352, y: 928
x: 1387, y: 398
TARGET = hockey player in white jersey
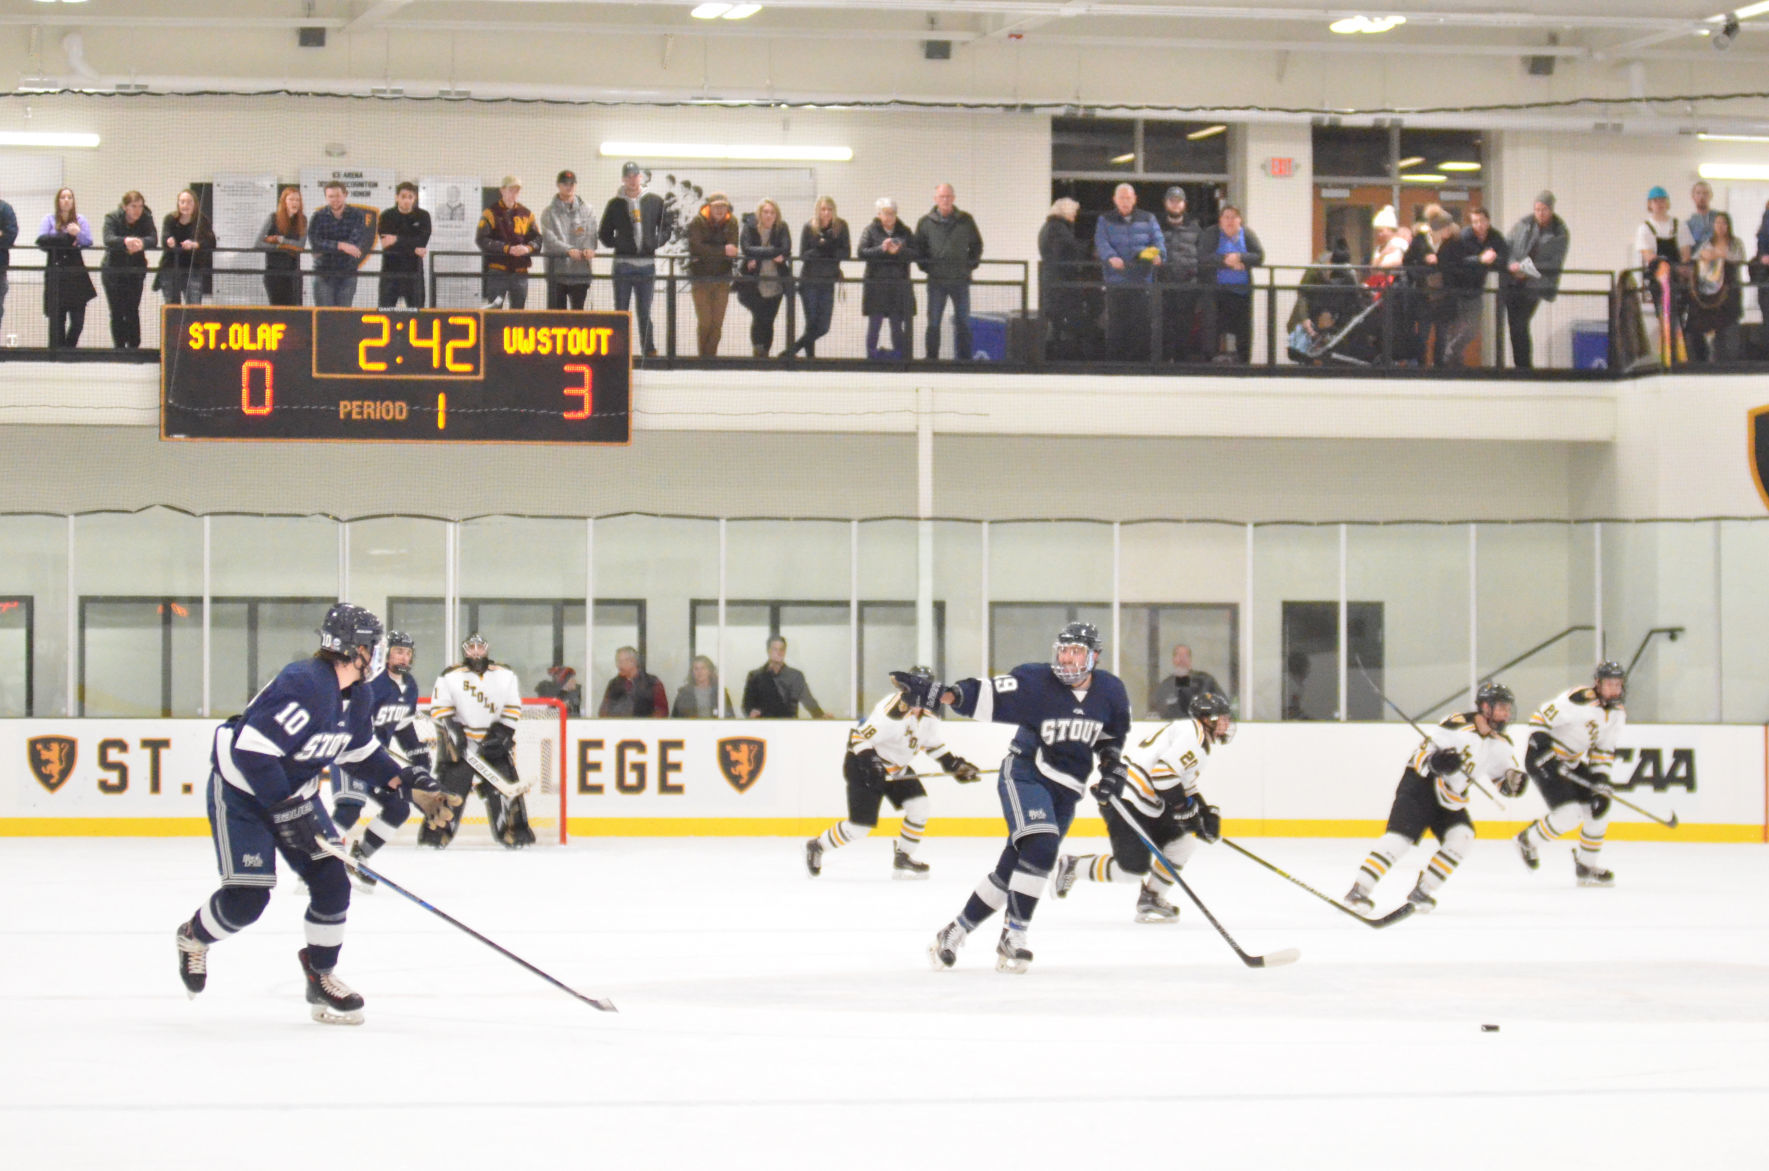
x: 879, y: 766
x: 1433, y: 795
x: 1163, y: 795
x: 1571, y: 751
x: 475, y: 706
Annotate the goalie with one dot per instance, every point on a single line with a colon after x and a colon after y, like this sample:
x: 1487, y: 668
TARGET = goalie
x: 475, y: 707
x: 877, y: 768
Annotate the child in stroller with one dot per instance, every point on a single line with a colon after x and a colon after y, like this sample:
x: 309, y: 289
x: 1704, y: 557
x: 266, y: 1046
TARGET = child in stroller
x: 1328, y: 304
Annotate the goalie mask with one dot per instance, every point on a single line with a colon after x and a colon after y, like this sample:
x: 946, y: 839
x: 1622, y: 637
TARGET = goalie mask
x: 1076, y: 662
x: 1610, y: 669
x: 1213, y: 711
x: 355, y: 634
x: 1487, y: 701
x: 476, y: 653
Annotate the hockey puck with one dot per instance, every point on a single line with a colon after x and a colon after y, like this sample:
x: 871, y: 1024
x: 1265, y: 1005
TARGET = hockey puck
x: 1489, y: 1028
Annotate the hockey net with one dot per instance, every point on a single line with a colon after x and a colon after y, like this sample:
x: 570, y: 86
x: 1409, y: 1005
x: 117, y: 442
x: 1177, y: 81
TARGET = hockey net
x: 540, y: 763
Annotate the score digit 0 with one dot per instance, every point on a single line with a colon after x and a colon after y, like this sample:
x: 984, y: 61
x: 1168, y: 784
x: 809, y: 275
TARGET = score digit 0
x: 246, y: 369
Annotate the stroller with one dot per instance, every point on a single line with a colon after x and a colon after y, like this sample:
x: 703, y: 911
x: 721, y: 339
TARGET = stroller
x: 1332, y: 320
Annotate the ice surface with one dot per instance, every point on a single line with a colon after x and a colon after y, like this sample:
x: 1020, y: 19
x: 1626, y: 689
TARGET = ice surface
x: 768, y: 1020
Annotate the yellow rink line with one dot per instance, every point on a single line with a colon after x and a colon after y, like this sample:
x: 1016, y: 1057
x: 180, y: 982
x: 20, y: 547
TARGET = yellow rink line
x: 975, y: 827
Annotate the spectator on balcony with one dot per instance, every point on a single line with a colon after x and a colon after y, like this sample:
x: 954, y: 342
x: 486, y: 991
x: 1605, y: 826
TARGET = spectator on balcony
x: 339, y: 238
x: 698, y: 698
x: 1130, y: 247
x: 568, y: 233
x: 948, y: 246
x: 561, y: 684
x: 774, y: 691
x: 67, y: 286
x: 509, y: 236
x: 765, y: 274
x: 1063, y: 267
x: 1540, y: 241
x: 1227, y: 255
x: 284, y: 237
x: 1465, y: 259
x: 8, y: 237
x: 405, y: 241
x: 128, y: 234
x: 823, y: 245
x: 1179, y: 281
x: 712, y: 251
x: 1701, y: 220
x: 1716, y: 300
x: 632, y: 694
x: 1759, y: 269
x: 187, y: 266
x: 1426, y: 307
x: 887, y: 293
x: 632, y: 225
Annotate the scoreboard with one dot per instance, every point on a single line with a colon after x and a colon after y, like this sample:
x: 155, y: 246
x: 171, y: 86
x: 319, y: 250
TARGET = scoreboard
x: 429, y: 375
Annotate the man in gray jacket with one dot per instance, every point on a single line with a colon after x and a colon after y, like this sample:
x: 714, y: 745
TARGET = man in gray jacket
x: 1179, y: 281
x: 949, y: 247
x: 568, y: 239
x: 1538, y: 245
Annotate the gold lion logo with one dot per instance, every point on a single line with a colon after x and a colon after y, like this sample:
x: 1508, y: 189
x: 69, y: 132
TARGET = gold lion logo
x: 741, y: 759
x: 51, y: 759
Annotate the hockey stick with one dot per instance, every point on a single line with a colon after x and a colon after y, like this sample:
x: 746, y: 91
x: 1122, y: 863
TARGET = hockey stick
x: 1394, y: 916
x: 1621, y: 800
x: 1486, y: 792
x: 363, y: 869
x: 1276, y: 959
x: 490, y: 776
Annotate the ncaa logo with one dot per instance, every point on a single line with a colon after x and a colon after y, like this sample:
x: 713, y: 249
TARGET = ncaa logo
x: 741, y: 759
x: 51, y: 759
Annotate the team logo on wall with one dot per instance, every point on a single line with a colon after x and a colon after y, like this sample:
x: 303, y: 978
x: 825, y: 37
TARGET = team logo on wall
x: 1759, y: 441
x: 741, y: 759
x: 52, y: 759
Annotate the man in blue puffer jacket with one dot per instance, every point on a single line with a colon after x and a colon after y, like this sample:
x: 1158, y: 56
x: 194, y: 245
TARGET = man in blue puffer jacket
x: 1130, y: 244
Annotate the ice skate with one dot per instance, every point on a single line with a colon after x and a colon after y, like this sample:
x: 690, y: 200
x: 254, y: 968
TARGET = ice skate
x: 332, y: 1001
x: 1359, y: 901
x: 814, y: 856
x: 1152, y: 908
x: 193, y: 961
x: 1591, y: 875
x: 1063, y: 881
x: 364, y: 882
x: 905, y: 866
x: 943, y: 951
x: 1532, y: 857
x: 1012, y: 954
x: 1423, y: 903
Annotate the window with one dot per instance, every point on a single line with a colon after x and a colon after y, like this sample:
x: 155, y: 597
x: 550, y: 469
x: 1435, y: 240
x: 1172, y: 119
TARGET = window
x: 1022, y: 632
x: 140, y: 656
x: 1089, y: 157
x: 1311, y: 660
x: 17, y: 657
x: 528, y: 635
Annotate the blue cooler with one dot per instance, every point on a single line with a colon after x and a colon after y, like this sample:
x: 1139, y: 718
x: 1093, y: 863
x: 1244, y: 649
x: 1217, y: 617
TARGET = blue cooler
x: 988, y: 333
x: 1590, y: 345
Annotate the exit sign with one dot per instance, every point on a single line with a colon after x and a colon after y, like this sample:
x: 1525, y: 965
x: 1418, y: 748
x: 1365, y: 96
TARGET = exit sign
x: 1280, y: 168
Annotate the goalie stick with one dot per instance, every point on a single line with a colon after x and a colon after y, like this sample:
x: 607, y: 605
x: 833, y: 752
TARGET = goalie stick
x: 362, y: 868
x: 1383, y: 696
x: 1276, y: 959
x: 1394, y: 916
x: 490, y: 776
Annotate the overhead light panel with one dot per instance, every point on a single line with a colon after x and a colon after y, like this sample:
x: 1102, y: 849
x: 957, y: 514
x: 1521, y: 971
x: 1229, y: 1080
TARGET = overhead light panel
x: 1412, y: 161
x: 727, y: 150
x: 1353, y: 25
x: 1736, y: 172
x: 1461, y: 166
x: 1733, y: 137
x: 720, y: 11
x: 1422, y: 178
x: 56, y: 138
x: 1129, y: 158
x: 1206, y: 132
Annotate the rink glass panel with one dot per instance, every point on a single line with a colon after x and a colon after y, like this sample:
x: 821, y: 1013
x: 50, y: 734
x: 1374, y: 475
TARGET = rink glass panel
x: 139, y: 578
x: 1181, y: 583
x: 793, y: 578
x: 1419, y: 574
x: 521, y: 585
x: 271, y: 581
x: 1042, y: 576
x: 35, y: 576
x: 1658, y: 578
x: 1294, y: 564
x: 1744, y: 621
x: 399, y: 569
x: 1535, y: 586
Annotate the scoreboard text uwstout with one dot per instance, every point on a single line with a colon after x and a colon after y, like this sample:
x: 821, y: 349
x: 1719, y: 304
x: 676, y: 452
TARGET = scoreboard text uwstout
x: 431, y: 375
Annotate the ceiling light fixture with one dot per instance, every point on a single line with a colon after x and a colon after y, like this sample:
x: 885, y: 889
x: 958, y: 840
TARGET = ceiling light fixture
x: 1410, y: 161
x: 1737, y: 172
x: 1733, y: 137
x: 1463, y: 166
x: 720, y: 11
x: 1422, y: 178
x: 1129, y: 158
x: 48, y: 138
x: 1206, y: 132
x: 1750, y: 10
x: 724, y: 150
x: 1351, y: 25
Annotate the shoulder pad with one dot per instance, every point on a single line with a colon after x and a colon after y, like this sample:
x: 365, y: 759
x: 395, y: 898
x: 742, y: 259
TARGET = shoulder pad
x: 896, y: 711
x: 1459, y: 720
x: 1584, y: 695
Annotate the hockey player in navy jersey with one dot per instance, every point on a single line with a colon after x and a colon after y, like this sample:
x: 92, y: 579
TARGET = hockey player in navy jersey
x: 393, y: 706
x: 1069, y: 713
x: 264, y: 799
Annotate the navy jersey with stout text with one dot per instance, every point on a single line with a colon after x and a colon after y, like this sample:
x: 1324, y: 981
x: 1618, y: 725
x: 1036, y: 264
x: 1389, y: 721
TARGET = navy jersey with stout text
x: 295, y: 728
x: 1060, y: 728
x: 393, y: 703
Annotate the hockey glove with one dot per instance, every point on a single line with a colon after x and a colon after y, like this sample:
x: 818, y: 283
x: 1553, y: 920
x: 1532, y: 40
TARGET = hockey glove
x: 495, y: 748
x: 1199, y: 818
x: 420, y: 758
x: 1514, y: 782
x: 962, y: 770
x: 1443, y: 762
x: 414, y: 777
x: 1113, y: 777
x: 298, y: 827
x: 437, y: 807
x: 873, y: 771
